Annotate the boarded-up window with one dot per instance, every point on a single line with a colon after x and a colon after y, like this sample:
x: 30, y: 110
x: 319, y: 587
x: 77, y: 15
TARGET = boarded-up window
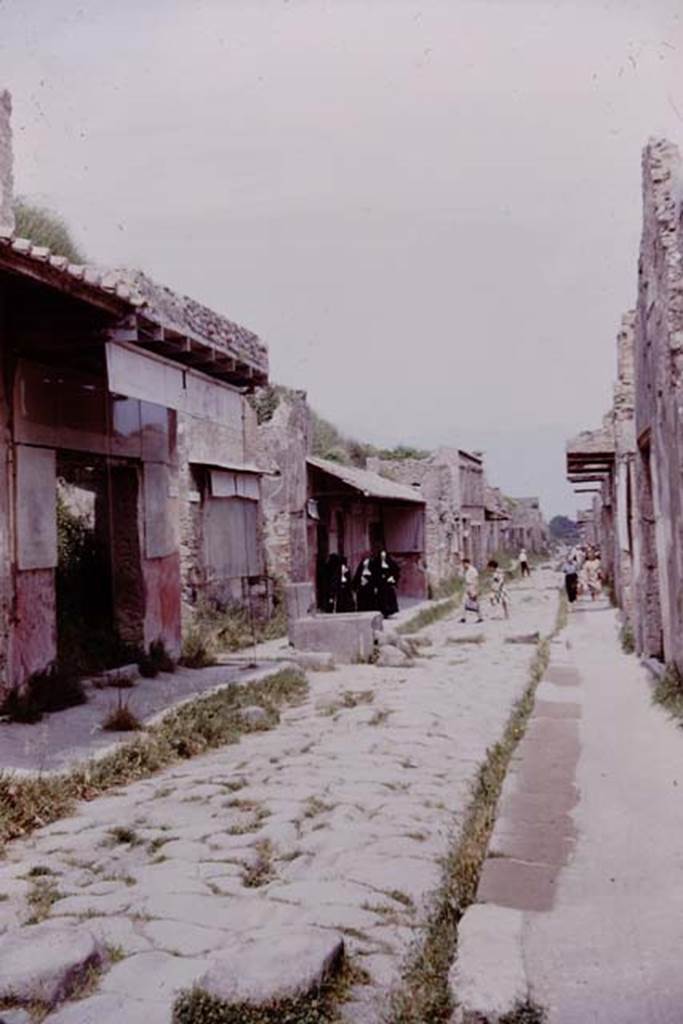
x: 36, y: 508
x: 404, y: 529
x: 231, y: 538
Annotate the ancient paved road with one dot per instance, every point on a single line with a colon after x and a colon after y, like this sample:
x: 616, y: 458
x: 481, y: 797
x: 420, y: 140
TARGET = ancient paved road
x: 336, y: 819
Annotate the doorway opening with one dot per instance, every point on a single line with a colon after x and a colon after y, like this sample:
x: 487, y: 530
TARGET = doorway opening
x: 99, y: 585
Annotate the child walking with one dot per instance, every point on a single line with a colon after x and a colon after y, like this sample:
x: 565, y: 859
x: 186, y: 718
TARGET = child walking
x: 471, y: 603
x: 499, y: 595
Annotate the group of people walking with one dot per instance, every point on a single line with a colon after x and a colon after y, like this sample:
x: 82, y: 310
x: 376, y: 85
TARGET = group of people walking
x: 499, y: 597
x: 372, y: 588
x: 583, y: 573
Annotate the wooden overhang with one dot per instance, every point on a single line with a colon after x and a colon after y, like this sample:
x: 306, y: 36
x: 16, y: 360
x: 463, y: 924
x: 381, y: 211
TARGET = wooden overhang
x: 143, y: 313
x: 590, y: 456
x: 365, y: 483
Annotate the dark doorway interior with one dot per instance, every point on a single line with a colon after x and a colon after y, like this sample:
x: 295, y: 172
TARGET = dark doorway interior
x: 100, y: 603
x: 323, y: 552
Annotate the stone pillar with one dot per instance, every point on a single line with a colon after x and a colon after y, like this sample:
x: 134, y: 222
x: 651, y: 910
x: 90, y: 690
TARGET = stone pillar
x: 300, y: 601
x: 6, y: 165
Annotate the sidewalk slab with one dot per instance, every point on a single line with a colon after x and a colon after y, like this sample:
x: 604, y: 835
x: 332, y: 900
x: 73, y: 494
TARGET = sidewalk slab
x: 488, y: 976
x: 586, y: 847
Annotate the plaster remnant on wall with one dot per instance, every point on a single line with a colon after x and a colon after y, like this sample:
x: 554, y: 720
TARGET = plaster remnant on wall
x: 6, y: 165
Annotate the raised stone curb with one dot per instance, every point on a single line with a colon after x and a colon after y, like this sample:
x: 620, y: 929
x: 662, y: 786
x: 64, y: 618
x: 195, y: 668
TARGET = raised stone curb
x: 314, y: 661
x: 488, y: 978
x: 530, y: 843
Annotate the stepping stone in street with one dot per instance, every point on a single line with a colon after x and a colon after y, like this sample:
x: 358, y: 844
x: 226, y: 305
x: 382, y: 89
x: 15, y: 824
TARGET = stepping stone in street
x: 44, y: 963
x: 284, y: 965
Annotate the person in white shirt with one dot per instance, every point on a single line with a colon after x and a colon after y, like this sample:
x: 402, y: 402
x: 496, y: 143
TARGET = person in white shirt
x: 524, y: 563
x: 499, y: 595
x: 471, y: 603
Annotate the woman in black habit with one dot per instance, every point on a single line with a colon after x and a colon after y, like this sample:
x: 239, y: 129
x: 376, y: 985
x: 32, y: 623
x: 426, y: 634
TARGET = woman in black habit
x: 338, y: 590
x: 345, y: 599
x: 386, y: 573
x: 365, y: 585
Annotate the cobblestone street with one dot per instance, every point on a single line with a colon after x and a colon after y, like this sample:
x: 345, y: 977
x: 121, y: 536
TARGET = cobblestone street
x: 333, y: 825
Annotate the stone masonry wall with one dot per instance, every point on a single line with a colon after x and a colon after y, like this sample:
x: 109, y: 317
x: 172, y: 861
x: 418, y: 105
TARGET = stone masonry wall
x: 437, y: 479
x: 659, y: 405
x: 623, y: 483
x: 282, y: 444
x: 6, y: 169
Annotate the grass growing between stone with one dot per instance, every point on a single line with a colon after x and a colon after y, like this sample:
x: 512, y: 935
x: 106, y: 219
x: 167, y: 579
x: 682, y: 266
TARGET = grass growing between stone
x: 627, y: 639
x: 200, y: 725
x: 668, y: 692
x: 230, y: 629
x: 428, y: 616
x: 525, y: 1013
x: 321, y: 1006
x: 424, y: 995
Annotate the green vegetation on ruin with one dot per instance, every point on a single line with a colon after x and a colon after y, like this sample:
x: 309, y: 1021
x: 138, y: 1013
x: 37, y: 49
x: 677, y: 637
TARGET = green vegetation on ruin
x: 30, y: 802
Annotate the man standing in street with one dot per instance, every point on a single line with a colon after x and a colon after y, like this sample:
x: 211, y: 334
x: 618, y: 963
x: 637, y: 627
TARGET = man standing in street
x: 524, y: 563
x: 471, y: 591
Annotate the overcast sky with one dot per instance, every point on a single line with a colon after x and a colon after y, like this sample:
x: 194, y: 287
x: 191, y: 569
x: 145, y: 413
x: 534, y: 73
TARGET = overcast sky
x: 429, y: 210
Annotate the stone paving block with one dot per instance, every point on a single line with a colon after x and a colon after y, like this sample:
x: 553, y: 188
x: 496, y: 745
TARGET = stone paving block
x: 283, y: 965
x: 537, y: 845
x: 540, y: 807
x: 43, y: 962
x: 189, y: 940
x: 152, y: 977
x: 115, y: 903
x: 562, y: 675
x: 556, y: 709
x: 120, y: 932
x: 114, y: 1009
x: 551, y: 693
x: 517, y: 884
x: 488, y: 979
x: 17, y: 1016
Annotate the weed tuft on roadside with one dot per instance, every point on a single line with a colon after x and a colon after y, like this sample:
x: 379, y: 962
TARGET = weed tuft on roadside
x: 51, y: 690
x: 122, y: 718
x: 202, y: 724
x: 627, y: 639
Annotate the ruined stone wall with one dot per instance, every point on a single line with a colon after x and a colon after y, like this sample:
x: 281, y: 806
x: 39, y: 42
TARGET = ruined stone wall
x: 527, y: 526
x: 201, y: 443
x: 437, y: 478
x: 622, y: 484
x: 659, y: 406
x: 282, y: 443
x: 6, y: 169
